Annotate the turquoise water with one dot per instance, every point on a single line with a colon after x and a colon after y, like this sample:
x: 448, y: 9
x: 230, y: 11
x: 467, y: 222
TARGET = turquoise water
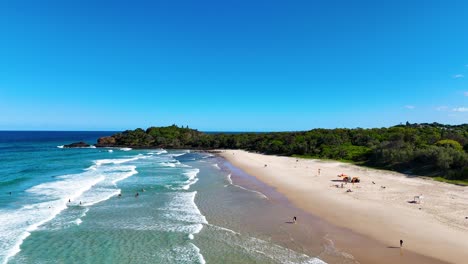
x: 118, y: 205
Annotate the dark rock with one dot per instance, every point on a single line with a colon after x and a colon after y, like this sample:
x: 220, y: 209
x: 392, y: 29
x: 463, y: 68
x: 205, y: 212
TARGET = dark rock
x: 106, y: 141
x: 80, y: 144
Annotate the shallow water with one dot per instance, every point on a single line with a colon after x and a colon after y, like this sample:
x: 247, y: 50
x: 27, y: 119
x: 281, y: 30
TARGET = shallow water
x: 65, y: 207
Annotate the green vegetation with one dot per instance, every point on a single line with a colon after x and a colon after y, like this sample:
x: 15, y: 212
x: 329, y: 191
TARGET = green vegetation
x: 457, y: 182
x: 424, y: 149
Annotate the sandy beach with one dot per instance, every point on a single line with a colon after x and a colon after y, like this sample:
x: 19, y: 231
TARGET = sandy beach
x: 380, y: 207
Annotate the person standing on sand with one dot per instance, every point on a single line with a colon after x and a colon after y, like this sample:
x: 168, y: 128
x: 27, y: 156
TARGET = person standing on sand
x: 294, y: 219
x: 319, y: 172
x: 401, y: 243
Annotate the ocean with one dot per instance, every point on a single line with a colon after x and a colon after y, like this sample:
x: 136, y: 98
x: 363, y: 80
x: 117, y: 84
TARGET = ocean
x: 122, y: 205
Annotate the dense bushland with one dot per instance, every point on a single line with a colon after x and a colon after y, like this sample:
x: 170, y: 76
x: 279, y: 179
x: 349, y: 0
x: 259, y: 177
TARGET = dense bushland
x: 425, y: 149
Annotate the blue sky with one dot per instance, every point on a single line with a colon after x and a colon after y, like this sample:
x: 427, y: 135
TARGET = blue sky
x: 231, y: 65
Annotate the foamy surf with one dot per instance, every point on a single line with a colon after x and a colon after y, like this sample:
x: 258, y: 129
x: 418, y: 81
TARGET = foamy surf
x: 125, y: 149
x: 191, y: 175
x: 183, y: 210
x: 229, y: 178
x: 330, y: 249
x: 260, y: 194
x: 90, y: 147
x: 115, y: 161
x: 159, y: 152
x: 167, y: 164
x: 92, y: 186
x: 257, y: 247
x: 106, y: 188
x: 16, y: 226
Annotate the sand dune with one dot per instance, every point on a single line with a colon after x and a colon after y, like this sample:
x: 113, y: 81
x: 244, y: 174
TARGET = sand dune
x: 436, y: 227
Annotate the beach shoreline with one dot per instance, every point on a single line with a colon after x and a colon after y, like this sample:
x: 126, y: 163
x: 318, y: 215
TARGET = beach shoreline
x: 380, y: 214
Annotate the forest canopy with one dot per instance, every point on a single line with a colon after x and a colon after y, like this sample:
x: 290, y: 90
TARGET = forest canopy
x: 425, y: 149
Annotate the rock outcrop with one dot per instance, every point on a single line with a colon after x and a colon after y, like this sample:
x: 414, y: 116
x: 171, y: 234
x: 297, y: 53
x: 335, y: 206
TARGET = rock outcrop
x: 80, y: 144
x: 106, y: 142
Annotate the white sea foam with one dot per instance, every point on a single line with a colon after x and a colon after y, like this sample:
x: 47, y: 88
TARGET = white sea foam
x: 83, y: 214
x: 106, y: 189
x: 167, y: 164
x: 201, y: 259
x: 190, y: 182
x: 159, y: 152
x: 191, y: 175
x: 15, y: 226
x: 268, y: 250
x: 91, y: 146
x: 125, y: 149
x: 249, y: 190
x: 177, y: 155
x: 182, y: 214
x: 330, y: 249
x: 216, y: 166
x: 182, y: 207
x: 229, y: 178
x: 243, y: 188
x: 91, y: 187
x: 110, y: 150
x: 117, y: 161
x: 188, y: 253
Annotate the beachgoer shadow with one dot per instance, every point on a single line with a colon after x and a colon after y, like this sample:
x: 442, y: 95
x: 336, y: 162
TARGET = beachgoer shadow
x: 289, y: 222
x: 393, y: 247
x: 337, y: 180
x: 411, y: 202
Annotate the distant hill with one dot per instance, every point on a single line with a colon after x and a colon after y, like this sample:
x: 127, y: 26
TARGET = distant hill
x: 430, y: 149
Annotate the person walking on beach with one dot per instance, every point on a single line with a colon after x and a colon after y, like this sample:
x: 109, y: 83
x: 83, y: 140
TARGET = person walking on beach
x: 401, y: 243
x: 294, y: 219
x: 319, y: 172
